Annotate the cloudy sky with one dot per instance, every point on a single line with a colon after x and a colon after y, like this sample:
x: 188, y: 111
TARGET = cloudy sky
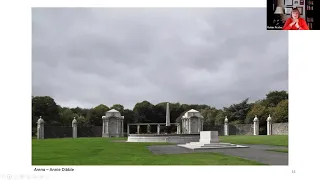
x: 216, y: 56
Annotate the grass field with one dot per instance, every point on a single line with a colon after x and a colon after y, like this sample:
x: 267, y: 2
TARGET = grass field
x: 281, y: 140
x: 103, y: 151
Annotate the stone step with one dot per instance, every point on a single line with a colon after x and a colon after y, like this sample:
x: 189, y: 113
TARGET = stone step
x: 201, y: 143
x: 198, y: 145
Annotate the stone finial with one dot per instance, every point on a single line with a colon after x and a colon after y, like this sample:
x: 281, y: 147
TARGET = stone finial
x: 255, y: 119
x: 40, y: 120
x: 226, y: 119
x: 269, y: 118
x: 74, y: 121
x: 103, y: 117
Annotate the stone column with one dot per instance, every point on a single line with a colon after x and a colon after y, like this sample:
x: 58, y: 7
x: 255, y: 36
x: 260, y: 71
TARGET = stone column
x: 138, y: 129
x: 189, y: 126
x: 40, y: 128
x: 255, y: 126
x: 202, y: 124
x: 226, y: 127
x: 178, y: 128
x: 107, y: 128
x: 103, y: 125
x: 158, y: 129
x: 269, y: 125
x: 148, y: 129
x: 128, y: 129
x: 117, y: 126
x: 121, y: 127
x: 74, y: 128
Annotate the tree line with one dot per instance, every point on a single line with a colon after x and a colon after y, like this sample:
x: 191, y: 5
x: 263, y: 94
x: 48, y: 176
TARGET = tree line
x: 275, y: 103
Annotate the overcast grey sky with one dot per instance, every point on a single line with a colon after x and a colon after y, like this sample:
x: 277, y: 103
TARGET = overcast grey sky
x: 216, y: 56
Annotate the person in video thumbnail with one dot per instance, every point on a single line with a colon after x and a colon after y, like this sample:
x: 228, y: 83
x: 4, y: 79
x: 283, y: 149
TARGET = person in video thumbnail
x: 295, y: 22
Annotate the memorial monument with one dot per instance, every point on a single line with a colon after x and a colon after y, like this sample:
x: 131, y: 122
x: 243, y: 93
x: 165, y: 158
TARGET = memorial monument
x: 209, y: 140
x: 112, y: 124
x: 192, y: 119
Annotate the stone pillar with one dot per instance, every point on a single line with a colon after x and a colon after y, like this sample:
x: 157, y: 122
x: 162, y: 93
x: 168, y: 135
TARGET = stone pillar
x: 107, y: 126
x: 74, y: 128
x: 128, y: 129
x: 117, y: 126
x: 148, y: 129
x: 269, y: 125
x: 255, y: 126
x: 158, y: 129
x: 138, y: 129
x: 121, y: 127
x: 40, y: 128
x: 202, y: 124
x: 189, y: 126
x: 103, y: 125
x: 226, y: 127
x: 178, y: 129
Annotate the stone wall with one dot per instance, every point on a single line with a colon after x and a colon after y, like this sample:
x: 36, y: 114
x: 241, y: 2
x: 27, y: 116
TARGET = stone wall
x: 66, y: 131
x: 237, y: 129
x: 247, y: 129
x: 280, y: 129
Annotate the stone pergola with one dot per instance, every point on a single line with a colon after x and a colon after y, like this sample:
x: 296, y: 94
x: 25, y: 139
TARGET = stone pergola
x: 112, y: 124
x: 192, y: 122
x: 149, y: 127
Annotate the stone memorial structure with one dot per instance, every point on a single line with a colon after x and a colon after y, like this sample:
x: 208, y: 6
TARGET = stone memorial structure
x: 209, y: 140
x: 192, y: 122
x: 112, y: 124
x: 40, y: 128
x: 167, y: 115
x: 269, y: 125
x: 226, y: 127
x: 74, y: 128
x: 255, y: 126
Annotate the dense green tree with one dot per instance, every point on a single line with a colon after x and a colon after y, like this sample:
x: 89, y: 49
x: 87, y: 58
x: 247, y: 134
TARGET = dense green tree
x: 275, y: 103
x: 220, y: 117
x: 66, y: 116
x: 274, y: 97
x: 46, y: 107
x: 94, y: 116
x: 209, y: 115
x: 118, y: 107
x: 281, y: 112
x: 258, y: 109
x: 143, y: 112
x: 238, y: 112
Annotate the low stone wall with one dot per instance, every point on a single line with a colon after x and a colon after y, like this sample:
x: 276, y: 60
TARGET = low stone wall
x: 241, y: 129
x: 177, y: 139
x: 237, y: 129
x: 280, y: 128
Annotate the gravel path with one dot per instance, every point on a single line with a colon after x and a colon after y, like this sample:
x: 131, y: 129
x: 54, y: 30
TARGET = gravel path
x: 257, y: 153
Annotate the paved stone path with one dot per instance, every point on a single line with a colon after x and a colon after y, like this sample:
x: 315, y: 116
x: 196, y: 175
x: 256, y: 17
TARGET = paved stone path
x: 257, y: 153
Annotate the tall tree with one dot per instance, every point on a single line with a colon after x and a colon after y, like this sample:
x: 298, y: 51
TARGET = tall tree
x: 95, y: 114
x: 258, y: 109
x: 274, y: 97
x: 46, y: 107
x: 118, y: 107
x: 143, y: 112
x: 281, y: 113
x: 209, y: 115
x: 238, y: 112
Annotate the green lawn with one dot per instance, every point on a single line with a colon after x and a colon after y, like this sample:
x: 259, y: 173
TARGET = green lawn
x: 102, y: 151
x: 266, y: 140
